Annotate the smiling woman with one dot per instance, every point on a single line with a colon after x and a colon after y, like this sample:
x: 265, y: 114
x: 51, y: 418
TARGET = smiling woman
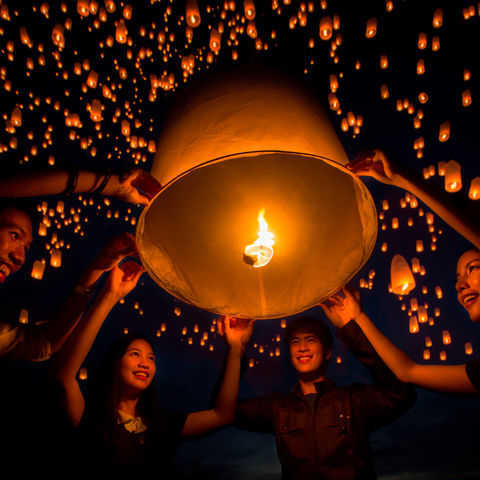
x: 118, y: 425
x: 468, y: 283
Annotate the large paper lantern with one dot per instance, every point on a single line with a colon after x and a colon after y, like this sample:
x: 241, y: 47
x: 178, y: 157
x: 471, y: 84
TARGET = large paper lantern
x: 240, y: 154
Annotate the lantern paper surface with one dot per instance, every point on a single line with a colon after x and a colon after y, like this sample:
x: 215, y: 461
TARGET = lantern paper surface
x: 229, y: 151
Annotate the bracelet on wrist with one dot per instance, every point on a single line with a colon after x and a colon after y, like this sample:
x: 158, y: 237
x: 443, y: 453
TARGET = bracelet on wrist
x: 103, y: 183
x: 71, y: 182
x: 82, y: 291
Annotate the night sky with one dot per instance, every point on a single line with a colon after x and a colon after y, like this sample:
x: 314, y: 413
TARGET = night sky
x: 48, y: 83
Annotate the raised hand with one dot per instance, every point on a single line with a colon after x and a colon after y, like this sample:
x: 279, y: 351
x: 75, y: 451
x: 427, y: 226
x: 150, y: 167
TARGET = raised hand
x: 123, y: 279
x: 114, y: 251
x: 236, y: 331
x: 137, y: 186
x: 343, y: 306
x: 375, y: 163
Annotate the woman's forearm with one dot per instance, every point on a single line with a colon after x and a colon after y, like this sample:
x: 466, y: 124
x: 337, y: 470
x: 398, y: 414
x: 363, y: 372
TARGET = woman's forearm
x: 397, y: 360
x: 459, y: 217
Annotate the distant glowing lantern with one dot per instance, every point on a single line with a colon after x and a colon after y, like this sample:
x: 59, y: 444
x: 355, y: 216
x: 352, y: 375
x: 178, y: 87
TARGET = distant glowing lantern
x: 468, y: 348
x: 422, y: 41
x: 83, y: 8
x: 435, y: 44
x: 446, y: 338
x: 413, y: 304
x: 420, y: 66
x: 401, y: 277
x: 192, y: 14
x: 215, y: 143
x: 426, y: 354
x: 110, y: 6
x: 23, y: 317
x: 413, y: 324
x: 249, y: 9
x: 437, y: 18
x: 16, y: 117
x: 466, y: 98
x: 371, y: 29
x: 474, y: 191
x: 444, y: 132
x: 422, y: 314
x: 325, y: 28
x: 58, y: 37
x: 38, y: 269
x: 56, y: 258
x: 453, y: 177
x: 423, y: 97
x: 121, y: 32
x: 215, y: 40
x: 82, y: 374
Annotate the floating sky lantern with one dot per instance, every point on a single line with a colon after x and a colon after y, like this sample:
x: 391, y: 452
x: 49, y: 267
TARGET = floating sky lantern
x: 401, y: 276
x: 371, y: 28
x: 413, y: 324
x: 437, y: 21
x: 229, y: 150
x: 23, y: 317
x: 444, y: 131
x: 249, y: 9
x: 325, y: 28
x: 453, y: 177
x: 38, y: 269
x: 474, y: 190
x: 466, y: 98
x: 192, y: 13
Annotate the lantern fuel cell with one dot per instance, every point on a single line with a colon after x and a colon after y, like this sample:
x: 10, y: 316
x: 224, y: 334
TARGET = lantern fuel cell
x: 260, y: 252
x: 243, y: 143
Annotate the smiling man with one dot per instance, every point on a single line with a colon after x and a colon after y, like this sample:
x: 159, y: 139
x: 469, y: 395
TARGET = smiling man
x: 321, y: 429
x: 37, y: 342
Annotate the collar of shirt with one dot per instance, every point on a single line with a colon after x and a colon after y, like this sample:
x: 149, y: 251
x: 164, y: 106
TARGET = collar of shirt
x: 131, y: 424
x: 321, y: 387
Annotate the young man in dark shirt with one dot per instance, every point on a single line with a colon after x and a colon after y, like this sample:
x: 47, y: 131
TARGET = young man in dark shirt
x: 321, y: 429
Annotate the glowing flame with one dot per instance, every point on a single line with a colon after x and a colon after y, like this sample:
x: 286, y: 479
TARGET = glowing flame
x: 260, y: 252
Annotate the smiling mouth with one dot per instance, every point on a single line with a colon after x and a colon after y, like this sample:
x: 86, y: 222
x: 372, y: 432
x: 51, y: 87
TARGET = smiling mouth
x: 304, y: 359
x: 4, y: 270
x: 141, y: 375
x: 469, y: 299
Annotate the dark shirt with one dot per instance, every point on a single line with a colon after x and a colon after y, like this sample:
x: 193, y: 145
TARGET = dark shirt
x: 330, y: 440
x: 123, y: 453
x: 473, y: 372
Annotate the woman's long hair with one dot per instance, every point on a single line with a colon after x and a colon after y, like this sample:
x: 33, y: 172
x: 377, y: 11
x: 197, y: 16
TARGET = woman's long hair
x: 105, y: 388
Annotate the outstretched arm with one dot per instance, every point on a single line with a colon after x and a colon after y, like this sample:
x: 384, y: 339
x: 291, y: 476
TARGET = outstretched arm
x: 454, y: 210
x: 63, y: 322
x: 69, y: 359
x: 134, y: 186
x: 237, y: 333
x: 446, y: 378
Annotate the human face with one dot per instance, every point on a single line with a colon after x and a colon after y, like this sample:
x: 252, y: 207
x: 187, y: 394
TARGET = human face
x: 137, y: 366
x: 468, y: 283
x: 306, y: 353
x: 15, y: 240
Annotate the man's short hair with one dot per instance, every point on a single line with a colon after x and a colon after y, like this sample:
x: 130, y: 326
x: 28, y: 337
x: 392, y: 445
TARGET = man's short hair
x: 311, y: 325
